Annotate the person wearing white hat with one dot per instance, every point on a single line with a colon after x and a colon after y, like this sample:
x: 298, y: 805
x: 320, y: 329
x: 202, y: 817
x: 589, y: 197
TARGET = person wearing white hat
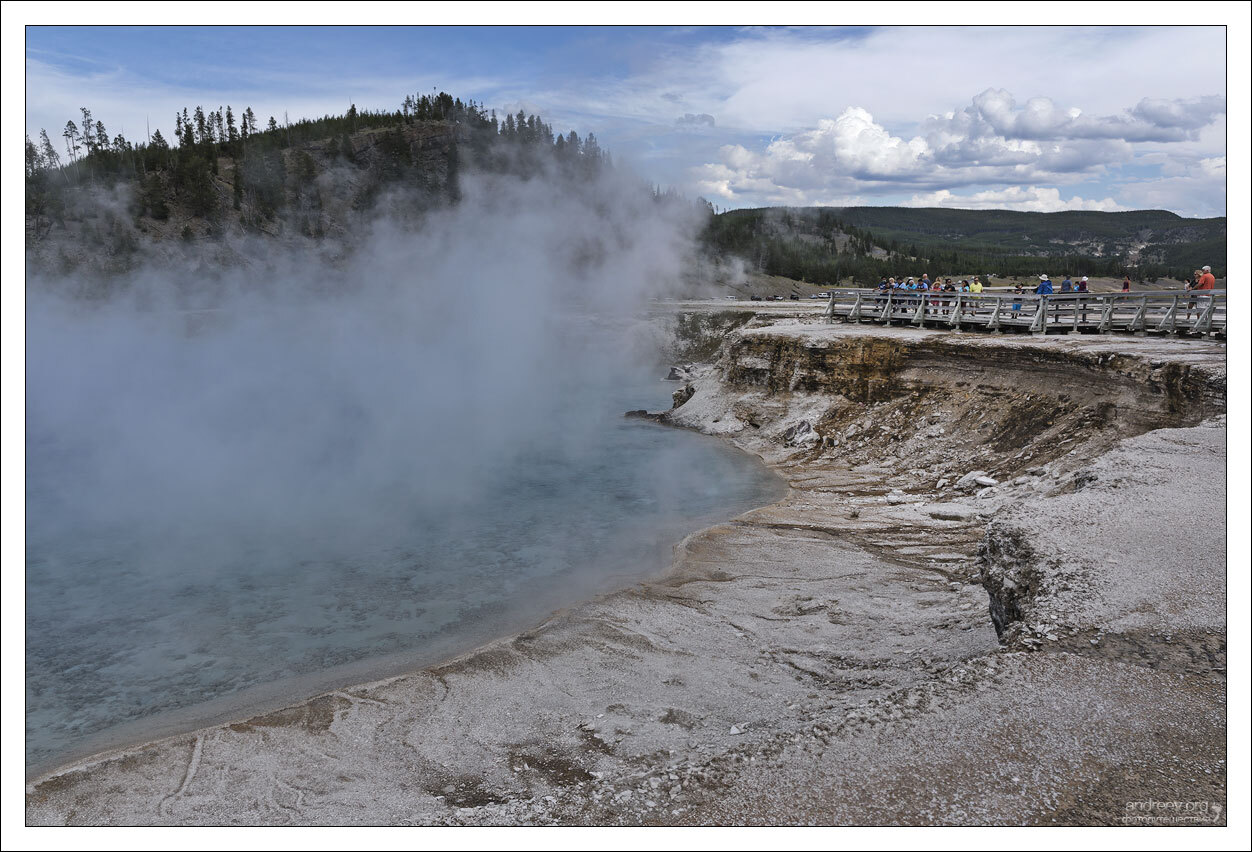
x: 1045, y: 286
x: 1206, y: 281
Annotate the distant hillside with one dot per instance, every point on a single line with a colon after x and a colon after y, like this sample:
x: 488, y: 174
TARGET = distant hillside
x: 1140, y: 237
x: 821, y: 244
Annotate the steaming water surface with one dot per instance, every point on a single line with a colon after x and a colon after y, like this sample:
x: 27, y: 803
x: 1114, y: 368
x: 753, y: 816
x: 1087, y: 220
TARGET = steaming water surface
x: 130, y: 622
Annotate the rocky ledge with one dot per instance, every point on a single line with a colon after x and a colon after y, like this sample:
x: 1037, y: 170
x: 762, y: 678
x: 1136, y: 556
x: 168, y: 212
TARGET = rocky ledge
x: 995, y: 594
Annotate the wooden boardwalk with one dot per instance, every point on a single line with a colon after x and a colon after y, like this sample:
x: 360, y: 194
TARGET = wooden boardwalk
x: 1164, y: 311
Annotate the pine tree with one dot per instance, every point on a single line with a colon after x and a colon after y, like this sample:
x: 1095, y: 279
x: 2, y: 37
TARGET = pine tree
x: 88, y: 125
x: 202, y: 131
x: 71, y: 140
x: 34, y: 162
x: 51, y: 159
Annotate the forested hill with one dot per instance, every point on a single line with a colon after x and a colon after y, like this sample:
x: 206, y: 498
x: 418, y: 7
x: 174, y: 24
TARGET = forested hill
x: 100, y: 203
x: 825, y: 244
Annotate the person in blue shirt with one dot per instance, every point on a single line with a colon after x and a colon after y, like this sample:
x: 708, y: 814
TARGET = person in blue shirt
x: 1067, y: 286
x: 1044, y: 289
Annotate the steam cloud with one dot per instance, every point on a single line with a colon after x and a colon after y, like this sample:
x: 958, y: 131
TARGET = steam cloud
x: 237, y: 476
x: 343, y: 398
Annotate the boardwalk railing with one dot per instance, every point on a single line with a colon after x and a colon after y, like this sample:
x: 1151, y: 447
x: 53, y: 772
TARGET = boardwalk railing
x: 1171, y: 312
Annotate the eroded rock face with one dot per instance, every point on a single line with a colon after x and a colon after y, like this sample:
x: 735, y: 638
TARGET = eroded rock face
x: 1008, y: 573
x: 1025, y: 421
x: 975, y: 411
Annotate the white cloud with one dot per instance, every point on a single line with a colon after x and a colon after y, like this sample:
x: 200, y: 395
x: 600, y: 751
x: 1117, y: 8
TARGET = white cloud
x: 1197, y: 186
x: 869, y: 114
x: 1035, y: 199
x: 777, y: 80
x: 993, y: 141
x: 1086, y: 102
x: 994, y: 112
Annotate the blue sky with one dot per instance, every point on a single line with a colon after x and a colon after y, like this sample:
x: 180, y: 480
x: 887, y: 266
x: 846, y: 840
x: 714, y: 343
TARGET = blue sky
x: 1030, y: 118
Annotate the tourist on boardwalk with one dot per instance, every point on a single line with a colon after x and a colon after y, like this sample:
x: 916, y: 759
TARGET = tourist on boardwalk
x: 1018, y: 289
x: 1067, y: 286
x: 1081, y: 287
x: 936, y: 286
x: 1204, y: 280
x: 975, y: 286
x: 1045, y: 289
x: 1126, y: 284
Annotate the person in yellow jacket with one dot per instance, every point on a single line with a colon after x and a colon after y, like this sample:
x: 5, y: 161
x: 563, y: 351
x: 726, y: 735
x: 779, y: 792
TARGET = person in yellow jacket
x: 975, y: 286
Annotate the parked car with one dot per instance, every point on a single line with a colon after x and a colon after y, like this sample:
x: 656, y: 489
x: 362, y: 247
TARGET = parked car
x: 756, y: 298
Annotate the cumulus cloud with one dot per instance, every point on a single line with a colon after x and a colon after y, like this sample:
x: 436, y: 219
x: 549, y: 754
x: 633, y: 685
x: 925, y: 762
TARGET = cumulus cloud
x: 1186, y: 114
x: 995, y: 113
x: 992, y: 141
x: 1036, y: 199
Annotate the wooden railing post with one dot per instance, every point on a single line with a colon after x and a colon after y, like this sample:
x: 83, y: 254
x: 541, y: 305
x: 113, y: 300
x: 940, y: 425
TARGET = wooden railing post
x: 1204, y: 322
x: 955, y: 319
x: 919, y: 317
x: 1169, y: 322
x: 1139, y: 322
x: 1106, y: 316
x: 993, y: 324
x: 1040, y: 323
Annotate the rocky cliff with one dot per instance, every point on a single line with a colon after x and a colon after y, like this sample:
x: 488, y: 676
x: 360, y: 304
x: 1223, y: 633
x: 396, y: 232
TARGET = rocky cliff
x: 1070, y: 439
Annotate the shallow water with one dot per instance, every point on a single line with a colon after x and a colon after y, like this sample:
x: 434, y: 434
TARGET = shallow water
x: 129, y: 622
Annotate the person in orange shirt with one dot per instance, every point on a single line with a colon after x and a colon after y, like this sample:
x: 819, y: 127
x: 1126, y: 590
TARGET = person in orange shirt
x: 1204, y: 281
